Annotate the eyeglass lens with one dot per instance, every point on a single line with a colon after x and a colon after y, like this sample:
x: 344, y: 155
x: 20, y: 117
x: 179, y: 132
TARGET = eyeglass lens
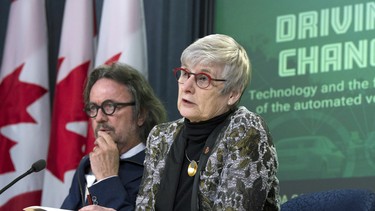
x: 202, y: 80
x: 108, y: 107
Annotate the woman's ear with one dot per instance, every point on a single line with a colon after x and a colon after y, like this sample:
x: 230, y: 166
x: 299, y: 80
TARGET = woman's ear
x: 234, y: 96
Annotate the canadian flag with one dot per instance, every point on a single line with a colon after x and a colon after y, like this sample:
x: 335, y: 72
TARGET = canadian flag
x: 68, y: 139
x: 24, y: 107
x: 122, y: 34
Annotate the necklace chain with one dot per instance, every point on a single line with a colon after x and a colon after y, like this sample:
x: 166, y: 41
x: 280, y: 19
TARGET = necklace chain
x: 187, y: 157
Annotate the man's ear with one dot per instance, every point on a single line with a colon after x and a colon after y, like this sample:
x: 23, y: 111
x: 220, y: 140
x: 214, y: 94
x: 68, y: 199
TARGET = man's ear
x: 141, y: 118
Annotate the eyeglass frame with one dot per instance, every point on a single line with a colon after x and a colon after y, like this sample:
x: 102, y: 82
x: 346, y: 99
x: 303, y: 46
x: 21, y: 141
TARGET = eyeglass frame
x: 115, y: 106
x: 175, y: 70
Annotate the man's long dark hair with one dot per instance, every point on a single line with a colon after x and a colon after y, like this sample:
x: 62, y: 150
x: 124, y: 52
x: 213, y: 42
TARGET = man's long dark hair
x: 143, y: 95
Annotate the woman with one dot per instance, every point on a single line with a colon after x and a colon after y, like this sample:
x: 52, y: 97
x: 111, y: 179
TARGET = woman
x: 218, y: 156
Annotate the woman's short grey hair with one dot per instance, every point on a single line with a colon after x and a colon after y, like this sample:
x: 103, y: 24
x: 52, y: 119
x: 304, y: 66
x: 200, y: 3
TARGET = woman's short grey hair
x: 223, y: 50
x: 141, y: 91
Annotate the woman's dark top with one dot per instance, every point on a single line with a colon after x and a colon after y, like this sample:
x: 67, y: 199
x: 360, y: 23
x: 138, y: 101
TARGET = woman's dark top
x: 196, y: 135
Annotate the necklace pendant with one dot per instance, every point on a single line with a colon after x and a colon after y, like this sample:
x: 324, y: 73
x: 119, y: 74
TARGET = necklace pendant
x: 192, y: 168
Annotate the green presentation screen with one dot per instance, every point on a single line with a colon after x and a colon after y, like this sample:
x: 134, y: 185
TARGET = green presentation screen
x: 313, y: 82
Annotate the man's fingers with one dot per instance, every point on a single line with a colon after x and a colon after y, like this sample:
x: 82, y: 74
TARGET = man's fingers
x: 104, y: 142
x: 106, y: 137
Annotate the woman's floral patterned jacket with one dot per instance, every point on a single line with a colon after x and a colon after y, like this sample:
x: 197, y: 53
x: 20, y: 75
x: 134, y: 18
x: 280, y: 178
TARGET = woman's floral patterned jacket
x: 240, y: 173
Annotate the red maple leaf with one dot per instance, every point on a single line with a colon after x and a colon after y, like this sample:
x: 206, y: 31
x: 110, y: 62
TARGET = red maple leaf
x: 66, y: 147
x: 15, y: 97
x: 113, y: 59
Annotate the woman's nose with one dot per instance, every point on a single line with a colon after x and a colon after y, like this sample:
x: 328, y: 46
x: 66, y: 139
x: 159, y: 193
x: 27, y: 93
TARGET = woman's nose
x: 190, y: 81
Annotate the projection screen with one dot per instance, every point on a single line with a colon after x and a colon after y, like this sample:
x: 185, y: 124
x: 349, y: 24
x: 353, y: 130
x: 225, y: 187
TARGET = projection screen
x: 314, y: 83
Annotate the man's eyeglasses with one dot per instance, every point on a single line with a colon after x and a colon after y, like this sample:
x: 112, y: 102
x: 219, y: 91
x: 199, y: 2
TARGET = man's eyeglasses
x: 108, y: 107
x: 203, y: 80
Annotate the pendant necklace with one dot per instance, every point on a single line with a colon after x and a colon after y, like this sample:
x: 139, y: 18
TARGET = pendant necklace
x: 193, y: 166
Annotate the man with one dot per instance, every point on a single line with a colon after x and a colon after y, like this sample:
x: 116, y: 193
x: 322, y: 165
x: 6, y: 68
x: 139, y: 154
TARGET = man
x: 123, y: 109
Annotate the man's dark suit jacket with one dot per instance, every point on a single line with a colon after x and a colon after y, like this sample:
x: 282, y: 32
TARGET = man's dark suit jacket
x: 118, y: 193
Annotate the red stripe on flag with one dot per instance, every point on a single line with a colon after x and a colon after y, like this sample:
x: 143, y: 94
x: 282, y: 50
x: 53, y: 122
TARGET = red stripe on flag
x: 23, y: 200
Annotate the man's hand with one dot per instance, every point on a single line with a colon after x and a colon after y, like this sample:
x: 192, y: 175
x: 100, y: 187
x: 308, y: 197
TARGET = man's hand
x: 105, y: 157
x: 96, y: 208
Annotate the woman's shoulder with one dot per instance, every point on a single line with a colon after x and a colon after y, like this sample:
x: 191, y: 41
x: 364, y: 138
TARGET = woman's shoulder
x: 167, y: 128
x: 242, y: 113
x: 170, y: 126
x: 163, y: 135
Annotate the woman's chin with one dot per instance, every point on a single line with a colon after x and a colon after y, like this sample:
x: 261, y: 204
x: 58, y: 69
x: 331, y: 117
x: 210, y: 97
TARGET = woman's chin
x: 187, y: 113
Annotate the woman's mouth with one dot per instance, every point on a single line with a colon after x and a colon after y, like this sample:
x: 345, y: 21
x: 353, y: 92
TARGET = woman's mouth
x: 186, y: 101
